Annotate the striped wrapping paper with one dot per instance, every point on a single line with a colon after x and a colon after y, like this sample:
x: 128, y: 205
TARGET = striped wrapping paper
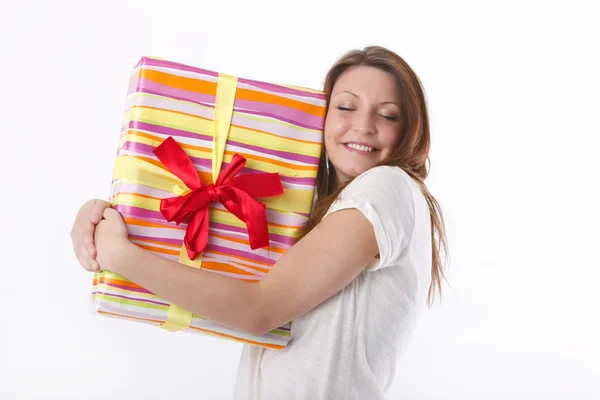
x: 276, y: 128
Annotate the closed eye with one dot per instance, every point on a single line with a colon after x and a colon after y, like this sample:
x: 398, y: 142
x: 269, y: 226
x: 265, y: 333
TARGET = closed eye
x: 342, y: 108
x: 390, y: 117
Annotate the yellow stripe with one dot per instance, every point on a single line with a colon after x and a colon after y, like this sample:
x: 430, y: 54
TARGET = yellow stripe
x: 137, y: 100
x: 304, y: 89
x: 205, y: 127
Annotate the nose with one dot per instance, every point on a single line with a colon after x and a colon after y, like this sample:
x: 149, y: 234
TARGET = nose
x: 364, y: 122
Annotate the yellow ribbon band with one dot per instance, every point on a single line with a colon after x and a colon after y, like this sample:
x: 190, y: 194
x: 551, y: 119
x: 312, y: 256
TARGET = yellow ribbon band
x: 177, y: 317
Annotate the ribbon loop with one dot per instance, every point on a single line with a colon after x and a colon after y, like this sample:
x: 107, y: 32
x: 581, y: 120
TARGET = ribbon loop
x: 236, y: 193
x: 176, y: 160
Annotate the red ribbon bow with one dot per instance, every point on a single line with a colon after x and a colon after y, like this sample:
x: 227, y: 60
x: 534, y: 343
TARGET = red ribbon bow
x: 236, y: 193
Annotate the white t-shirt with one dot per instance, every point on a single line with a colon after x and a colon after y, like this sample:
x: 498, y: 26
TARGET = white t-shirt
x: 348, y: 347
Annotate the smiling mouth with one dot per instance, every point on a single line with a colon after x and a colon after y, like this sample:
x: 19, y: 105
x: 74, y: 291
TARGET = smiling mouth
x: 360, y: 148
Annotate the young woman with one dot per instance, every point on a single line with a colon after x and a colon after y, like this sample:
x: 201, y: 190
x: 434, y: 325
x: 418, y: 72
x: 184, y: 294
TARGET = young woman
x: 364, y: 268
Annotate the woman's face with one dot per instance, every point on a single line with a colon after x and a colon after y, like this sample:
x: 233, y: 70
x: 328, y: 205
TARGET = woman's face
x: 363, y: 123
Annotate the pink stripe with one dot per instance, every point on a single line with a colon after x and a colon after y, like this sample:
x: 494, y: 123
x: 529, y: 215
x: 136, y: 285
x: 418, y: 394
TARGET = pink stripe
x: 259, y: 84
x: 131, y: 298
x: 148, y: 86
x: 141, y: 189
x: 128, y: 288
x: 273, y: 237
x: 240, y: 253
x: 176, y: 65
x: 106, y: 306
x: 155, y: 217
x: 177, y: 242
x: 283, y: 113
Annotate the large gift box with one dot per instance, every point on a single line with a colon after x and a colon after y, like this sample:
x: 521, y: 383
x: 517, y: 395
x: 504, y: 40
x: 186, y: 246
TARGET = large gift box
x: 194, y: 145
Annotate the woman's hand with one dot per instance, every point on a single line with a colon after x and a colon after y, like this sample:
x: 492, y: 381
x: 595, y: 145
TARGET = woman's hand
x: 82, y: 233
x: 110, y: 240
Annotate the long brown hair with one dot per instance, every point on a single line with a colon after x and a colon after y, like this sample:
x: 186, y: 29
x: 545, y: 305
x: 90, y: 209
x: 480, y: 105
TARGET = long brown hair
x: 412, y: 154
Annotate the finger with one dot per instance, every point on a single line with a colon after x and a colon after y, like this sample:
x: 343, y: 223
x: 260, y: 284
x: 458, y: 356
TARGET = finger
x: 84, y: 263
x: 84, y: 253
x: 95, y: 266
x: 111, y: 213
x: 88, y: 242
x: 97, y: 210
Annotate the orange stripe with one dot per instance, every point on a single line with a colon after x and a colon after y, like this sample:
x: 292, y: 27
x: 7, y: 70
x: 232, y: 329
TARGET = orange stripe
x: 261, y: 269
x: 237, y: 339
x: 159, y: 250
x: 138, y: 222
x: 180, y: 82
x: 158, y: 242
x: 246, y: 242
x: 217, y: 266
x: 210, y: 88
x: 240, y: 258
x: 120, y: 282
x: 252, y: 95
x: 145, y: 196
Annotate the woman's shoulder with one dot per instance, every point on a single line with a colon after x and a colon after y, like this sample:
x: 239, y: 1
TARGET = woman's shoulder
x: 388, y: 190
x: 392, y: 180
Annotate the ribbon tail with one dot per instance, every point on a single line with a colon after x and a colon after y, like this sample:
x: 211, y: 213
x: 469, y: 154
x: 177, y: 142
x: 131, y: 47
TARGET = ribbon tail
x: 196, y: 234
x: 253, y: 213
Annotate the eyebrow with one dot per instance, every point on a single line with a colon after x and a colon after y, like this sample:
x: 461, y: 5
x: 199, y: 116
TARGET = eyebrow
x: 357, y: 96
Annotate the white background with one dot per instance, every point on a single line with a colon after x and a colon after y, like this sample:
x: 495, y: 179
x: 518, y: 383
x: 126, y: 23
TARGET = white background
x: 513, y: 90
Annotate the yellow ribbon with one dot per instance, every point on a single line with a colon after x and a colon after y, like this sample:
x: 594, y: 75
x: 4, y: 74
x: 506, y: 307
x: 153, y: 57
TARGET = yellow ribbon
x: 177, y: 317
x: 226, y: 88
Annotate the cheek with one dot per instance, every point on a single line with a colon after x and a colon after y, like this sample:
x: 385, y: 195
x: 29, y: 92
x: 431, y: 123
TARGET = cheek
x: 335, y: 127
x: 330, y: 134
x: 390, y: 141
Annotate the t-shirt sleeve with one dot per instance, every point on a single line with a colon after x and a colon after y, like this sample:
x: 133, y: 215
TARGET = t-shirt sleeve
x: 384, y: 197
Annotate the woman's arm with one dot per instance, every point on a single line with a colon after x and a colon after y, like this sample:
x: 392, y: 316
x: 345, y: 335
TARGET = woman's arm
x: 314, y: 269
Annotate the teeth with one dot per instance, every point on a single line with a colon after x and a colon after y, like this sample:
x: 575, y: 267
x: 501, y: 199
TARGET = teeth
x: 359, y: 147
